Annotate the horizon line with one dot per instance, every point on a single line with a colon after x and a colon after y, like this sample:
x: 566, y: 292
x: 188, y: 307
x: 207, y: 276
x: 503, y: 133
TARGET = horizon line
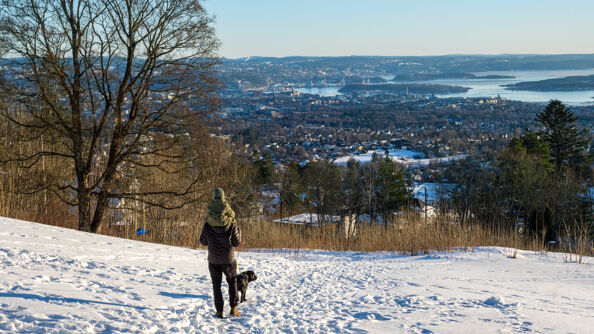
x: 419, y: 56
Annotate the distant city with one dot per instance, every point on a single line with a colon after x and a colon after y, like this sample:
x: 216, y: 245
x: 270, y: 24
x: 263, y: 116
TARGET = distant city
x: 309, y: 108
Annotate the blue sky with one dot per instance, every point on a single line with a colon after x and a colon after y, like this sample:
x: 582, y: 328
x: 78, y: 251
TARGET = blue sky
x: 402, y: 27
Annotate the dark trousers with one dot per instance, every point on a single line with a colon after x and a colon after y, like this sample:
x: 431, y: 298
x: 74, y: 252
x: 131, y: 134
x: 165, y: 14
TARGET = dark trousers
x: 216, y: 274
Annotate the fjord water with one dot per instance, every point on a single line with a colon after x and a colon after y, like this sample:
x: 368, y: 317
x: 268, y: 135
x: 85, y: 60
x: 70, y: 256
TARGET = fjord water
x: 494, y: 87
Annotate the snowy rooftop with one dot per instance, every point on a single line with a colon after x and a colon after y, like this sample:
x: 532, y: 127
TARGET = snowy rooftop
x: 59, y: 280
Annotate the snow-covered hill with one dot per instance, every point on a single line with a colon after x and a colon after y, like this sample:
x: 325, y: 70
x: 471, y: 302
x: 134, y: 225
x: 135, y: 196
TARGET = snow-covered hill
x: 59, y: 280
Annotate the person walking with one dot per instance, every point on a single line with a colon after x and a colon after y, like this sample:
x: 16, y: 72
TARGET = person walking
x: 220, y: 235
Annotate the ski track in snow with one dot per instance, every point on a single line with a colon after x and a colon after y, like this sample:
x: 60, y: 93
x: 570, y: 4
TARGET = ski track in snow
x: 59, y: 280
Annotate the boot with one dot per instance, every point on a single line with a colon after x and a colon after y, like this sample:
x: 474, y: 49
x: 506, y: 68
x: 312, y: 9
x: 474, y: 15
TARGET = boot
x: 219, y: 315
x: 235, y: 312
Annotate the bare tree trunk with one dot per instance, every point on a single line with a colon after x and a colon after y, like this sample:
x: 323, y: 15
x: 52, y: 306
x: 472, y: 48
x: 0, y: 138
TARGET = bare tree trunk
x: 84, y: 209
x: 100, y: 210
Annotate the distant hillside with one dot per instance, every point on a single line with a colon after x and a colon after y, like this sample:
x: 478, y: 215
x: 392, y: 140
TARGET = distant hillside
x: 429, y: 64
x: 403, y: 88
x: 262, y: 72
x: 573, y: 83
x: 359, y: 80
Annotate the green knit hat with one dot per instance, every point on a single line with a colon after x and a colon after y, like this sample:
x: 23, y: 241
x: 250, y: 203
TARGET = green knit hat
x: 219, y: 194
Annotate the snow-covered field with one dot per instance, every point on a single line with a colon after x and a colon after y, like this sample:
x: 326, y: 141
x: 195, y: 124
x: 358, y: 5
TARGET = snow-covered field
x: 405, y: 157
x: 59, y: 280
x: 434, y: 191
x: 306, y: 219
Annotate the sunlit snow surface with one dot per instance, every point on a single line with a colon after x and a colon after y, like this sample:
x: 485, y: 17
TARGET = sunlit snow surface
x: 405, y: 157
x: 59, y: 280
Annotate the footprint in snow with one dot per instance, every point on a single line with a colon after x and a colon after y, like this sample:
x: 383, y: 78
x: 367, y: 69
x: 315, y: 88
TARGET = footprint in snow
x: 370, y: 316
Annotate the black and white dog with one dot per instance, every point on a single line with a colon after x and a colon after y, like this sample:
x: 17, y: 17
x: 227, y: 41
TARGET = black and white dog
x: 242, y: 282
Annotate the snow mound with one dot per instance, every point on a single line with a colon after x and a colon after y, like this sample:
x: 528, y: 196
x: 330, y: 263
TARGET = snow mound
x: 55, y: 280
x: 494, y: 301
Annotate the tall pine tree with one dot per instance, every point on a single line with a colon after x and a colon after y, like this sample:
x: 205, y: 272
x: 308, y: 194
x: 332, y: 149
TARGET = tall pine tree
x: 392, y: 193
x: 560, y: 133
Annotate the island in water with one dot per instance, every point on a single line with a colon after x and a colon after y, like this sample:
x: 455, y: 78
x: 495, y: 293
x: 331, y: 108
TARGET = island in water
x: 494, y: 77
x: 567, y: 84
x: 404, y: 88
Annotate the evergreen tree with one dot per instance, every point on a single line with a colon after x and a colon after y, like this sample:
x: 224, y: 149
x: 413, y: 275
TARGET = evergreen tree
x: 524, y: 182
x: 533, y: 144
x: 291, y: 190
x: 560, y: 133
x: 392, y: 192
x: 264, y: 170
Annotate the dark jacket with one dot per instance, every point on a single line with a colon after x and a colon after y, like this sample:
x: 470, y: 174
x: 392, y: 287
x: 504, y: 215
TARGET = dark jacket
x: 220, y: 241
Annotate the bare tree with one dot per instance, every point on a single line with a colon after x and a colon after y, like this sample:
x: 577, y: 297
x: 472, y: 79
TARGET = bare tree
x: 114, y: 87
x: 322, y: 180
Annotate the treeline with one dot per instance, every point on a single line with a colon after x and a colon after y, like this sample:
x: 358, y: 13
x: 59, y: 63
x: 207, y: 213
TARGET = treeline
x: 377, y: 189
x: 541, y: 183
x: 325, y: 189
